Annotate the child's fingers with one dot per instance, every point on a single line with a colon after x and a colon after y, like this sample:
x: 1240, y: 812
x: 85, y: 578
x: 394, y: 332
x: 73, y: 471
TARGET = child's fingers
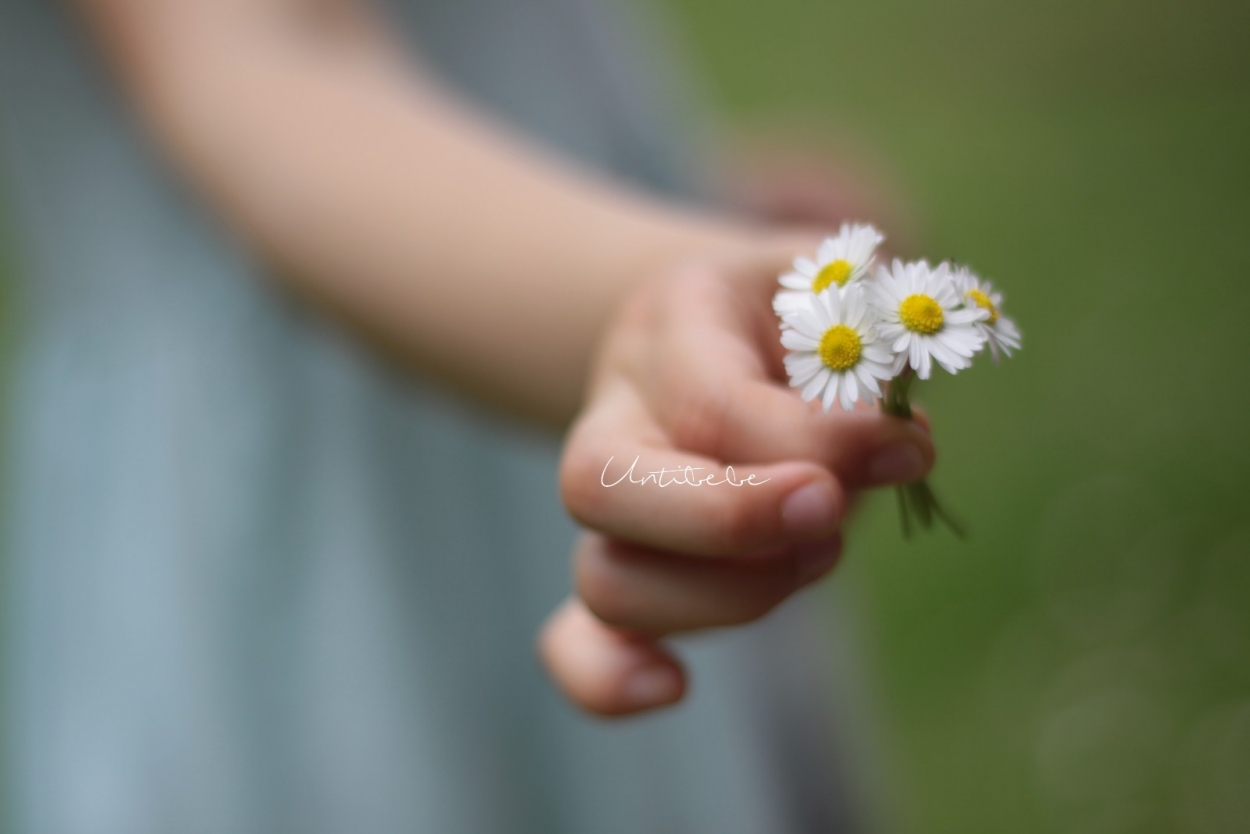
x: 646, y: 495
x: 604, y: 670
x: 618, y: 477
x: 653, y: 592
x: 754, y: 420
x: 715, y: 393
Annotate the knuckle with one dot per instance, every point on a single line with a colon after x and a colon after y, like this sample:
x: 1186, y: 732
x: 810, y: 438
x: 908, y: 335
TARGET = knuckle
x: 602, y: 587
x: 690, y: 282
x: 741, y: 608
x: 736, y: 526
x: 696, y: 421
x: 579, y: 485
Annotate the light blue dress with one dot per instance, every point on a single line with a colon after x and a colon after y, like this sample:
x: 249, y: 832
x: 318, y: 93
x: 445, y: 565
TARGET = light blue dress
x: 258, y: 582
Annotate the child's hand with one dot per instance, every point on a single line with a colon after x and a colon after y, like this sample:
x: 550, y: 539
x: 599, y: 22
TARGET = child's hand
x: 690, y: 375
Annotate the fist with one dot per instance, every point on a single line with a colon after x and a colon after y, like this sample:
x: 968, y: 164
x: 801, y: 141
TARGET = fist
x: 709, y: 490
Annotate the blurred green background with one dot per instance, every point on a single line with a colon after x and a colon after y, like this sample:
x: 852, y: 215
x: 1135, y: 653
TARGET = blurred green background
x: 1082, y: 663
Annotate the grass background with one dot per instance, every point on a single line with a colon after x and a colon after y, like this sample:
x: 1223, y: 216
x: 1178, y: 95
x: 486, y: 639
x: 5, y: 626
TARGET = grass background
x: 1082, y: 664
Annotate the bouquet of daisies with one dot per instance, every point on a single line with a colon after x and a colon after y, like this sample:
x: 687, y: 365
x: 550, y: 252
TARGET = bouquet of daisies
x: 859, y: 332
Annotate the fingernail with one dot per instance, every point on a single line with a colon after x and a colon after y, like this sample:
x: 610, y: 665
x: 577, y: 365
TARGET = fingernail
x: 652, y: 686
x: 900, y: 464
x: 816, y: 560
x: 808, y: 510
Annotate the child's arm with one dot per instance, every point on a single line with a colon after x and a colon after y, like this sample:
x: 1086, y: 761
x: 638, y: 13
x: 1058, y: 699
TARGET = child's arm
x: 477, y: 258
x: 459, y: 248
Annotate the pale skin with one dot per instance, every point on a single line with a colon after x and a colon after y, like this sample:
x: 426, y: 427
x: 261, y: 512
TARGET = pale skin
x: 470, y: 256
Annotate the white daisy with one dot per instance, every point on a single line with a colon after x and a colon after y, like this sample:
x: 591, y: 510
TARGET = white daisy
x: 840, y: 261
x: 1001, y: 333
x: 922, y: 318
x: 837, y: 352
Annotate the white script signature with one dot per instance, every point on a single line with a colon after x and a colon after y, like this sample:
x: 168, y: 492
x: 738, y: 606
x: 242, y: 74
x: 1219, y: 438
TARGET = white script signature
x: 683, y: 476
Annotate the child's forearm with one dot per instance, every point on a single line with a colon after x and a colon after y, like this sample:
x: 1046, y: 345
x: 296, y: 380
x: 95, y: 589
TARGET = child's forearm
x: 458, y: 248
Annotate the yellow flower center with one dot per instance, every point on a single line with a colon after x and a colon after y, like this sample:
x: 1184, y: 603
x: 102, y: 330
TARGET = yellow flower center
x: 836, y: 272
x: 840, y: 347
x: 983, y: 301
x: 921, y: 313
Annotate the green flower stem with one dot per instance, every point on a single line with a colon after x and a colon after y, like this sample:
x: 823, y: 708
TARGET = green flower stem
x: 916, y: 499
x: 904, y: 515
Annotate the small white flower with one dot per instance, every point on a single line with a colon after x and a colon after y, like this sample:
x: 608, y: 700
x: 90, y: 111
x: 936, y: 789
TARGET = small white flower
x: 840, y: 261
x: 837, y: 352
x: 1001, y: 333
x: 922, y: 318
